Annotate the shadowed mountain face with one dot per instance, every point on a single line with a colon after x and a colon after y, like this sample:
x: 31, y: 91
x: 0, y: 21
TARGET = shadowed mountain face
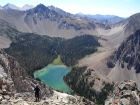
x: 128, y: 54
x: 124, y: 63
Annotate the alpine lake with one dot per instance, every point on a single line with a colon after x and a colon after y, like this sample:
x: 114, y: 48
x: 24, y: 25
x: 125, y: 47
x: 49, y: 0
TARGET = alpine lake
x: 52, y: 75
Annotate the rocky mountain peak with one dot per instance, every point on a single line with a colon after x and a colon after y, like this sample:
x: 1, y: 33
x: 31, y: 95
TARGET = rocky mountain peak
x: 10, y: 7
x: 27, y: 7
x: 41, y: 7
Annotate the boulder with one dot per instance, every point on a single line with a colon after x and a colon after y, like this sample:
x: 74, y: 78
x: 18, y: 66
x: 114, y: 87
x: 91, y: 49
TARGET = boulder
x: 124, y: 93
x: 4, y: 102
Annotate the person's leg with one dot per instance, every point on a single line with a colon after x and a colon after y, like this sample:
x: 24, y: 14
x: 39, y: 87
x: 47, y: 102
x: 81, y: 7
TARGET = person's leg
x: 38, y: 97
x: 35, y: 97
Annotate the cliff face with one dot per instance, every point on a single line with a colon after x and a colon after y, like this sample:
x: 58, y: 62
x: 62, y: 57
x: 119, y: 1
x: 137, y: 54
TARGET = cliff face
x: 124, y: 93
x: 13, y: 79
x: 128, y: 53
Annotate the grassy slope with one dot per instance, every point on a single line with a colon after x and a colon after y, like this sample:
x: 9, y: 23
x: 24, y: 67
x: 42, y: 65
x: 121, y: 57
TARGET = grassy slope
x: 57, y: 61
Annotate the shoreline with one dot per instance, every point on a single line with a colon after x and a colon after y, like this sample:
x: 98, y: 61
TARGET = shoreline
x: 67, y: 88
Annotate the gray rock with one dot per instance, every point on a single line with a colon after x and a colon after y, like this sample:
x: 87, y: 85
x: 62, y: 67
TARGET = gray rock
x: 45, y: 103
x: 125, y: 101
x: 121, y: 86
x: 124, y: 93
x: 7, y: 97
x: 4, y: 102
x: 1, y: 98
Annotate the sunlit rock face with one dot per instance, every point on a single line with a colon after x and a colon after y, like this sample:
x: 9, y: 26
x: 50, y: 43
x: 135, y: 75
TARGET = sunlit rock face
x: 124, y: 93
x: 13, y: 80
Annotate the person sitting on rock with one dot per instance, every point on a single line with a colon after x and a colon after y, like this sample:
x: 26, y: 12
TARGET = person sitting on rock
x: 37, y: 90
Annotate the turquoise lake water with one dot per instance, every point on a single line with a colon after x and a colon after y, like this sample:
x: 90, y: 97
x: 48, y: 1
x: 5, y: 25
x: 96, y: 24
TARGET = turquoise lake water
x: 53, y: 75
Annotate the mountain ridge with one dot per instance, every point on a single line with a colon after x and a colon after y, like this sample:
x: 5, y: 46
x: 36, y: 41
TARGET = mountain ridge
x: 44, y: 21
x: 10, y: 6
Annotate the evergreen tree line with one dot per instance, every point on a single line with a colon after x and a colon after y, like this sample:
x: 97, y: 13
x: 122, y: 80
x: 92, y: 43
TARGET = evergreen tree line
x: 34, y: 52
x: 77, y: 80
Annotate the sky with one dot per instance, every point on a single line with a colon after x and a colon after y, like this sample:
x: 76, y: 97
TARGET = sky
x: 122, y: 8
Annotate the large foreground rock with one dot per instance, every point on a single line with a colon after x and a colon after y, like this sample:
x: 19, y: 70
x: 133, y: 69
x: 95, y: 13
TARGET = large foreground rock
x: 14, y: 81
x: 125, y: 93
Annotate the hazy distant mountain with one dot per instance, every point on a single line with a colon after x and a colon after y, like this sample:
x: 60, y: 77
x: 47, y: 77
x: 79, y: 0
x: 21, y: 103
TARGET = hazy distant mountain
x: 104, y: 19
x: 98, y: 16
x: 110, y: 21
x: 26, y: 7
x: 1, y: 7
x: 10, y: 7
x: 114, y: 20
x: 14, y: 7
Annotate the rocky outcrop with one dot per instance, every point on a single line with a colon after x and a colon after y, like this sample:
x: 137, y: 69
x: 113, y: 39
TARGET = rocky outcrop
x: 56, y: 99
x: 127, y: 54
x: 124, y: 93
x: 14, y: 81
